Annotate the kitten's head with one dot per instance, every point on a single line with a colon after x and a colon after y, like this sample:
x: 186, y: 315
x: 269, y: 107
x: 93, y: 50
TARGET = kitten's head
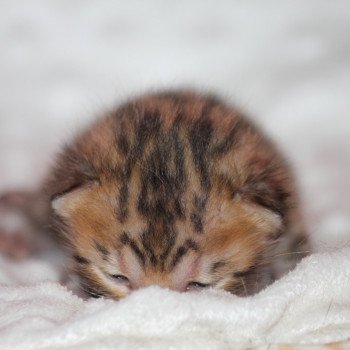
x: 180, y: 193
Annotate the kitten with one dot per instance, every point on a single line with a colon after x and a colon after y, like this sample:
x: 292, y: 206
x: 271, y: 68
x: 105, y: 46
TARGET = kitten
x: 179, y: 190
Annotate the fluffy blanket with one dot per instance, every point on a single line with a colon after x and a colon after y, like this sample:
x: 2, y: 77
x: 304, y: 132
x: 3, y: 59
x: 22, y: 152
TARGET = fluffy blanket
x: 310, y: 305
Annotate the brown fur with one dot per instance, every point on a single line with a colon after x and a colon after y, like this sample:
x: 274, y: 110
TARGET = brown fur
x: 174, y: 188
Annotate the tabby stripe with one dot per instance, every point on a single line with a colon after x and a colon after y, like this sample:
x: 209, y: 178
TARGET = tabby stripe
x: 148, y: 126
x: 197, y: 222
x: 232, y: 139
x: 145, y: 239
x: 170, y: 241
x: 199, y: 138
x: 199, y: 203
x: 81, y: 260
x: 103, y: 250
x: 122, y: 210
x: 126, y: 240
x: 217, y: 265
x: 123, y: 144
x: 182, y: 251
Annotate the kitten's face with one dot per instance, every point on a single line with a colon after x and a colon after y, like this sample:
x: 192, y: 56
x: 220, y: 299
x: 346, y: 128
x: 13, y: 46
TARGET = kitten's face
x: 114, y: 258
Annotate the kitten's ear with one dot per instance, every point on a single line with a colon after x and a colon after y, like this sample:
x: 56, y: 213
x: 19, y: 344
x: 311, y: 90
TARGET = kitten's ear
x: 71, y: 179
x: 64, y: 204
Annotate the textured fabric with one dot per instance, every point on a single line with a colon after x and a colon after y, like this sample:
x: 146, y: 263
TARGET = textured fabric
x: 311, y: 305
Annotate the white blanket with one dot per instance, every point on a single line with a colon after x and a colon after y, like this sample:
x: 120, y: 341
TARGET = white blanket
x: 310, y: 305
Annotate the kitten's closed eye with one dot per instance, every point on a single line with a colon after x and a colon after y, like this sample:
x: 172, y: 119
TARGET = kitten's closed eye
x: 120, y: 278
x: 192, y: 286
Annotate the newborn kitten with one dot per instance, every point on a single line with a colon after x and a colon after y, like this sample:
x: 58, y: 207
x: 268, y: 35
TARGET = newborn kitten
x: 179, y: 190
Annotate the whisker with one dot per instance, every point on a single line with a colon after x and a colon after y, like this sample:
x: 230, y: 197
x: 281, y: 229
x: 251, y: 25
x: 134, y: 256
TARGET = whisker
x: 244, y: 286
x: 271, y: 258
x: 292, y: 253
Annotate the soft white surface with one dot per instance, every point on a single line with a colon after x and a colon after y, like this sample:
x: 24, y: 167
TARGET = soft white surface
x: 310, y: 305
x: 285, y: 62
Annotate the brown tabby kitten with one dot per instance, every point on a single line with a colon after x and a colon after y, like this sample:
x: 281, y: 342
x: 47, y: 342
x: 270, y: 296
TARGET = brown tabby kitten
x: 179, y: 190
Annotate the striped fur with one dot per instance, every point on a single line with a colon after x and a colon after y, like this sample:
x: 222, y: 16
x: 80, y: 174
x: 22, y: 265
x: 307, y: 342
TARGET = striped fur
x: 175, y: 188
